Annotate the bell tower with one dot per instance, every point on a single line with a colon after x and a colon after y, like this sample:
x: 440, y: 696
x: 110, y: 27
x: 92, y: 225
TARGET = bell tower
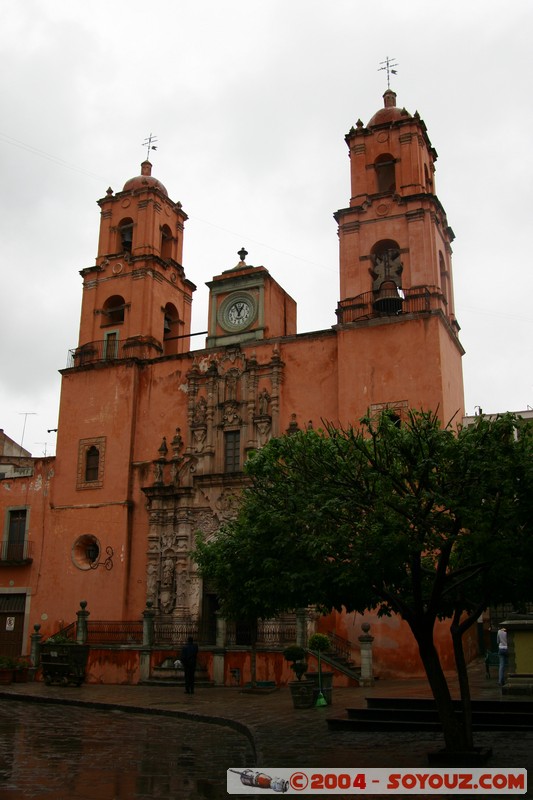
x: 396, y: 313
x: 136, y: 299
x: 395, y: 241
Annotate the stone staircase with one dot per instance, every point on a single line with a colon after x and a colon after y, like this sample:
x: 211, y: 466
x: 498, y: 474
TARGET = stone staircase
x: 339, y: 656
x: 420, y: 714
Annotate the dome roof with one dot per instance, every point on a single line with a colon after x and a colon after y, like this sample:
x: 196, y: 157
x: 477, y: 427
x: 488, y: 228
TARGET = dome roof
x: 144, y: 180
x: 390, y: 112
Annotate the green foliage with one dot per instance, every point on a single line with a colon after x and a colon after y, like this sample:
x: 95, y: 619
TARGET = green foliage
x: 7, y: 663
x: 413, y: 519
x: 59, y: 638
x: 294, y: 653
x: 319, y: 642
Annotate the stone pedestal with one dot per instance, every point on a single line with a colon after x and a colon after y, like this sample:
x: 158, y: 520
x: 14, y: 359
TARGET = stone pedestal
x: 365, y: 642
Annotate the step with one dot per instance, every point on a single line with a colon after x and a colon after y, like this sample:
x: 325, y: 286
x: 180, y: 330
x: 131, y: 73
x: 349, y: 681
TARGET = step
x: 373, y: 725
x: 403, y: 713
x: 524, y: 706
x: 412, y: 715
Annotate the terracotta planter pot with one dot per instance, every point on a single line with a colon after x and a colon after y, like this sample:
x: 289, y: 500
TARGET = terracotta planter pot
x: 6, y: 676
x: 20, y: 675
x: 303, y: 693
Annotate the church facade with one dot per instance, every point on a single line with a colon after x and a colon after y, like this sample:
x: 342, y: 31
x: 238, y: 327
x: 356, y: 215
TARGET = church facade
x: 152, y: 435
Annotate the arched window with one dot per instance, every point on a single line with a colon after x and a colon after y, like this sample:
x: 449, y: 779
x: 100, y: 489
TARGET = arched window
x: 166, y: 243
x: 113, y: 310
x: 386, y: 273
x: 125, y: 234
x: 92, y: 463
x: 385, y: 174
x: 171, y: 318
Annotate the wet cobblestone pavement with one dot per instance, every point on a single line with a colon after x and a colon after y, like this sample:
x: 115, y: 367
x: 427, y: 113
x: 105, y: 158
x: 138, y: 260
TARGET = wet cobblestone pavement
x: 156, y: 742
x: 67, y: 753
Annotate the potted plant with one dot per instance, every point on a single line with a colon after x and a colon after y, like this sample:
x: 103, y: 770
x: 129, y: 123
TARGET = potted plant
x: 302, y: 692
x: 319, y: 643
x: 21, y: 671
x: 7, y: 667
x: 296, y: 655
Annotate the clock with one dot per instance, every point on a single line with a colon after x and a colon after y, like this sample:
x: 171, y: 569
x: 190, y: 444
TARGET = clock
x: 237, y: 312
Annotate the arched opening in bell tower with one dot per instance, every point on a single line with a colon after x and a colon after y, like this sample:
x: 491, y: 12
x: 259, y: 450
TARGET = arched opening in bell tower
x: 385, y: 174
x: 113, y: 310
x: 125, y: 235
x: 166, y: 243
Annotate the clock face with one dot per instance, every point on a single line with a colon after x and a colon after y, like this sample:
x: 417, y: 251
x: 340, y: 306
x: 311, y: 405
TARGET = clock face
x: 237, y: 312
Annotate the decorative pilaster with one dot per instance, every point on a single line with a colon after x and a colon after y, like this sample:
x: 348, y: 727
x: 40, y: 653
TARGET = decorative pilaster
x: 365, y: 641
x: 35, y: 647
x: 81, y: 627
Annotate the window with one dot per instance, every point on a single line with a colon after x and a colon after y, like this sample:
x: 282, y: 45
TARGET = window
x: 92, y: 463
x: 385, y: 174
x: 232, y: 448
x: 86, y: 552
x: 16, y: 534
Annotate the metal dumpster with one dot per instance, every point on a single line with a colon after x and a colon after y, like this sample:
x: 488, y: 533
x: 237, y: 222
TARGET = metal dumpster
x: 64, y: 663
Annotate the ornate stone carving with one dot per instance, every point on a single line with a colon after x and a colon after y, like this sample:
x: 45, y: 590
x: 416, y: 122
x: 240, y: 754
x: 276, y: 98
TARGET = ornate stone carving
x: 231, y: 414
x: 263, y: 427
x: 200, y: 412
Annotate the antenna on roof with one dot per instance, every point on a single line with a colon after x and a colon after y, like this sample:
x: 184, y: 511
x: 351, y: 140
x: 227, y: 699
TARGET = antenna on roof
x: 389, y: 65
x: 149, y: 143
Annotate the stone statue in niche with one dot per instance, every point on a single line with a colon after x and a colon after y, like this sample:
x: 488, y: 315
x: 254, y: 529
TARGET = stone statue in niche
x: 231, y: 387
x: 200, y: 412
x: 264, y: 402
x: 168, y: 572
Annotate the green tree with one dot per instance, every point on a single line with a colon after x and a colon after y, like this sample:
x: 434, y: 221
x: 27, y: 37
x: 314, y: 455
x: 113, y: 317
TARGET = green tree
x: 413, y: 519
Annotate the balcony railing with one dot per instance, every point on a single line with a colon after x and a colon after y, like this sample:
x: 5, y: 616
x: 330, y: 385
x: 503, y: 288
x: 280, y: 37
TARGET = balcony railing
x: 392, y: 303
x: 16, y: 553
x: 110, y: 350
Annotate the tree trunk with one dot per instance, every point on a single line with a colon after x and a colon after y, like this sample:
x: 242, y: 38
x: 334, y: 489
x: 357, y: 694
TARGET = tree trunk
x: 455, y: 739
x: 464, y: 686
x: 253, y: 652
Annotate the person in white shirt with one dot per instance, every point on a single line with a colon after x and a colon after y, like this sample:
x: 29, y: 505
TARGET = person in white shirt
x: 503, y: 654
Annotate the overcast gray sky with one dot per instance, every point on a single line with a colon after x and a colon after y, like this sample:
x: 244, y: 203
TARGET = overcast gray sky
x: 250, y: 101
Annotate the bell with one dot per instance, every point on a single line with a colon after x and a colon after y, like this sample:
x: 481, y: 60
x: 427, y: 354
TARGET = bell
x: 388, y: 299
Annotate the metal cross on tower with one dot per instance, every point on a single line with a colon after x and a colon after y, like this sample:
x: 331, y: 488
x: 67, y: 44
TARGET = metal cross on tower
x: 149, y: 143
x: 390, y: 65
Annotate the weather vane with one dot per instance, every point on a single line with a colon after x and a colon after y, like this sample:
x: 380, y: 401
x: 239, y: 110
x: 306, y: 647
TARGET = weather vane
x: 390, y: 65
x: 149, y: 143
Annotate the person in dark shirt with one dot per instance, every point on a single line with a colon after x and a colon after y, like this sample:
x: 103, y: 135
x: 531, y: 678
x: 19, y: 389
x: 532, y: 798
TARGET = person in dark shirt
x: 189, y: 652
